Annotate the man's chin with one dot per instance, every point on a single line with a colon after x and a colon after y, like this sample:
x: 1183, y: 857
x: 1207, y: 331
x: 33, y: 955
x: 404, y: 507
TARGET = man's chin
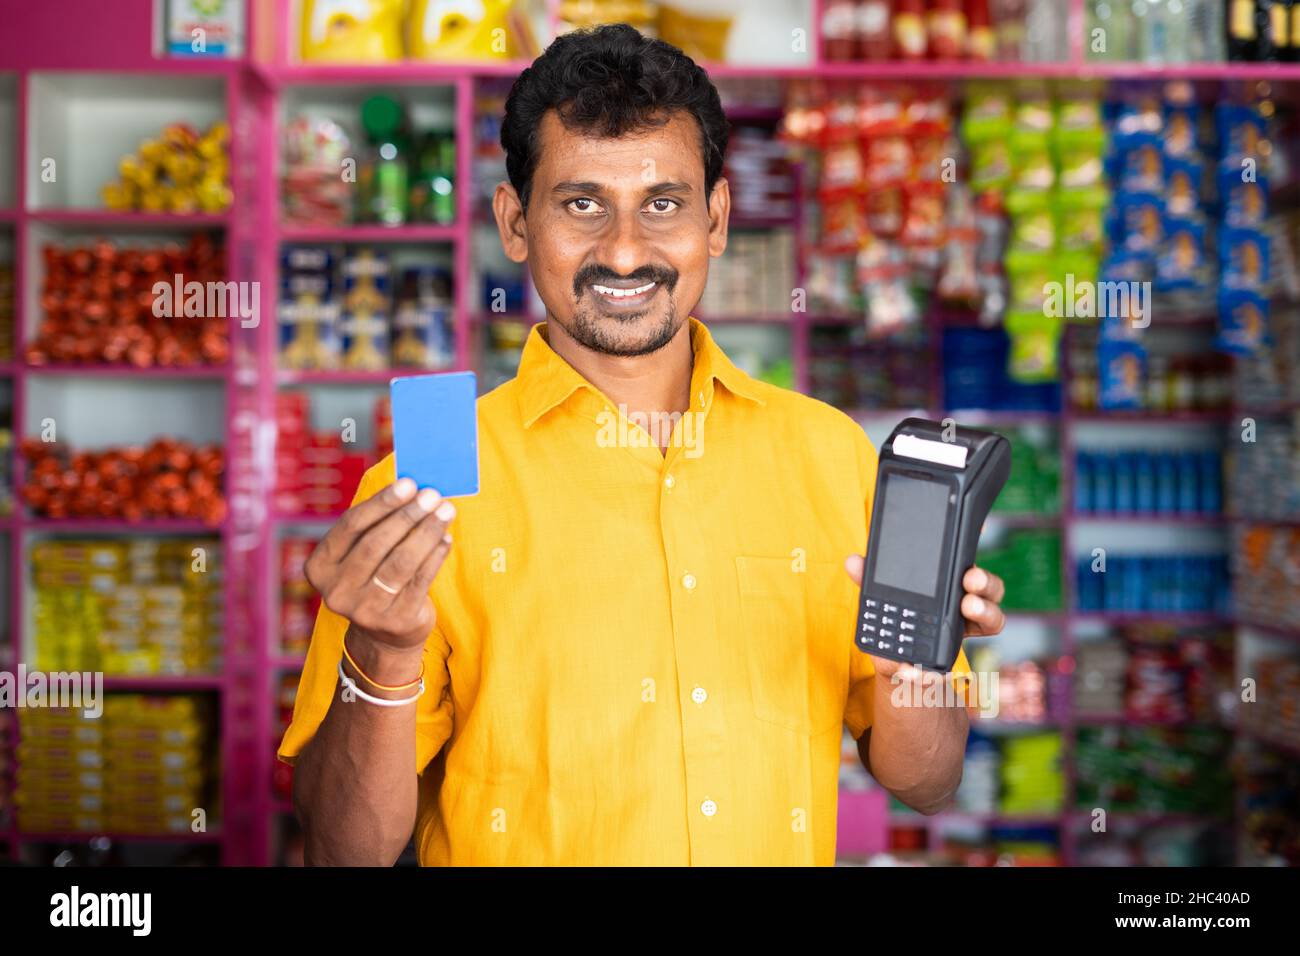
x: 623, y: 333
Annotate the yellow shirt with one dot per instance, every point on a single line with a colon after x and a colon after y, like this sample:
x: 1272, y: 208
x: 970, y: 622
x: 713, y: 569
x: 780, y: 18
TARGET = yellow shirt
x: 639, y: 658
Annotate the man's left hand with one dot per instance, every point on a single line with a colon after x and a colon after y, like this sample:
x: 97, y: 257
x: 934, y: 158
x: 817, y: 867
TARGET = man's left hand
x: 980, y: 607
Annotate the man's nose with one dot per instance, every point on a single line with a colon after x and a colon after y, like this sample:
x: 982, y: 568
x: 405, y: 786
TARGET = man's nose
x: 623, y: 245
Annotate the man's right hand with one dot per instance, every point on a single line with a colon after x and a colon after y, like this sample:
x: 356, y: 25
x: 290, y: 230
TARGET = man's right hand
x: 375, y: 567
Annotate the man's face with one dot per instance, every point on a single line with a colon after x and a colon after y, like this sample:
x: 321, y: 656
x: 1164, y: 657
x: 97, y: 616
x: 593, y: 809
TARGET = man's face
x: 618, y: 232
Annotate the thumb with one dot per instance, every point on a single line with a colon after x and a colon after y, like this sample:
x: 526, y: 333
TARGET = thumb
x: 853, y: 564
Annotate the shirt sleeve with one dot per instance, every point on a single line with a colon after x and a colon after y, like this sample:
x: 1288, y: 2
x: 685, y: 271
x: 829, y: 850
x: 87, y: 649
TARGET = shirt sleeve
x: 862, y: 669
x: 319, y: 682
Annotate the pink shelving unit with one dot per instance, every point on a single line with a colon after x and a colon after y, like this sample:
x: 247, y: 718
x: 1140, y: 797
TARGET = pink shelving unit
x: 79, y: 36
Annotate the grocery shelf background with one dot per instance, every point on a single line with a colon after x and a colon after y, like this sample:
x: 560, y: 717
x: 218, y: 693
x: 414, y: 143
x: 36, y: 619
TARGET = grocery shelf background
x: 82, y: 82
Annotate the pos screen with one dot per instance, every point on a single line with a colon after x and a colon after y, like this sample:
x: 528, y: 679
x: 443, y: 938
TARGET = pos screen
x: 911, y: 534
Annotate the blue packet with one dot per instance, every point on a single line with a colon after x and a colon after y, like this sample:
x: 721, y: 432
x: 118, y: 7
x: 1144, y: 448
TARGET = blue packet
x: 1142, y: 220
x: 1243, y: 322
x: 1181, y: 263
x: 1245, y: 204
x: 1243, y: 259
x: 1181, y: 128
x: 1183, y: 178
x: 1240, y: 131
x: 1121, y: 367
x: 1143, y: 169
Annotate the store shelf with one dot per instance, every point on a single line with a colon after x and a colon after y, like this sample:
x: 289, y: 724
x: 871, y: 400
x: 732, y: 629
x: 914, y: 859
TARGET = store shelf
x: 306, y: 518
x: 1188, y: 417
x: 119, y: 526
x: 130, y: 371
x: 370, y: 233
x: 1276, y: 521
x: 288, y: 376
x: 212, y: 836
x: 1279, y: 631
x: 1181, y: 618
x: 157, y: 683
x: 1146, y: 517
x: 113, y: 219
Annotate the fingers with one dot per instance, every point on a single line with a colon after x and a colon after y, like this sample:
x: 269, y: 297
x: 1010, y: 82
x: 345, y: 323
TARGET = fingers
x: 404, y: 560
x: 362, y: 516
x: 983, y: 617
x: 414, y: 598
x: 987, y: 585
x: 374, y: 548
x: 854, y: 564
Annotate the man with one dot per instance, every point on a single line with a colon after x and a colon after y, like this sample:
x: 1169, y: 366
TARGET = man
x: 640, y: 648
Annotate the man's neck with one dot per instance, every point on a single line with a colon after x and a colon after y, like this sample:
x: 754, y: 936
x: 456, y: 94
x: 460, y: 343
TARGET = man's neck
x: 649, y: 384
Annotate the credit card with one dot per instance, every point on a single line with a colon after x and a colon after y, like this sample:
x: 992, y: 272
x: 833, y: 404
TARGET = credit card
x: 435, y: 431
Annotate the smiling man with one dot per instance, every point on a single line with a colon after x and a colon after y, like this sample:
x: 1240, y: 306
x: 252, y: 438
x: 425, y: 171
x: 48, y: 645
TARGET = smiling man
x: 631, y: 655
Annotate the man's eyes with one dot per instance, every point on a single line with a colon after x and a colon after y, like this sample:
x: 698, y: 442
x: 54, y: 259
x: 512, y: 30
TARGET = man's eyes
x: 589, y: 207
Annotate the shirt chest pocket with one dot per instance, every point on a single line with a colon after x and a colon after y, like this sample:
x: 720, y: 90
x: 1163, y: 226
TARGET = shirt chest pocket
x: 798, y: 631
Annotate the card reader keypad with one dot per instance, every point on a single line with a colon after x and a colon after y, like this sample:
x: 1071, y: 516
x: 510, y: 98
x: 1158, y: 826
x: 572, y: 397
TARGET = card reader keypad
x: 896, y: 629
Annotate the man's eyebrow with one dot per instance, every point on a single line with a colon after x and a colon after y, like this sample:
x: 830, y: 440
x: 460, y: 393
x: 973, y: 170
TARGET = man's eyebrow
x: 584, y: 188
x: 569, y: 186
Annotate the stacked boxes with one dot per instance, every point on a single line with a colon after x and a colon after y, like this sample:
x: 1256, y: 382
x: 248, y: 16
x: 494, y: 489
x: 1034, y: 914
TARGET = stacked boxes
x: 1264, y: 563
x: 1264, y: 475
x: 1033, y: 486
x: 356, y: 310
x: 1153, y: 769
x: 314, y: 473
x: 299, y: 602
x: 1031, y: 774
x: 134, y: 606
x: 754, y: 278
x: 152, y: 750
x: 1030, y: 562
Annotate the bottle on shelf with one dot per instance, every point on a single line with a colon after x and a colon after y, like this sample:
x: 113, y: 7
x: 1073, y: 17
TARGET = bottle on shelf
x: 873, y: 36
x: 1242, y: 35
x: 1283, y: 39
x: 433, y: 197
x: 909, y: 30
x: 839, y: 31
x: 1205, y: 36
x: 383, y: 177
x: 981, y: 41
x: 1110, y: 32
x: 945, y: 26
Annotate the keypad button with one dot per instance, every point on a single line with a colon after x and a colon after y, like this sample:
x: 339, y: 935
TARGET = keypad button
x: 870, y: 603
x: 889, y: 608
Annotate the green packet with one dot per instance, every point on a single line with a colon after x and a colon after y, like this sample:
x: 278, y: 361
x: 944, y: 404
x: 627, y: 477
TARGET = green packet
x: 988, y: 113
x: 1034, y: 355
x: 990, y: 167
x: 1081, y: 218
x: 1028, y: 272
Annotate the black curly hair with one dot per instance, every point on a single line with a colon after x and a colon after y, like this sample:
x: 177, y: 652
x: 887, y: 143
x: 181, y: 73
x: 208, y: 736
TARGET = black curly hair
x: 608, y: 81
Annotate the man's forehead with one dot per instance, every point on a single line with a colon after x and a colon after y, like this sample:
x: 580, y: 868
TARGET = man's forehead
x: 651, y: 154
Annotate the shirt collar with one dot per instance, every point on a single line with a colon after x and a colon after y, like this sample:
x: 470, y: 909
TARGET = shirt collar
x: 546, y: 379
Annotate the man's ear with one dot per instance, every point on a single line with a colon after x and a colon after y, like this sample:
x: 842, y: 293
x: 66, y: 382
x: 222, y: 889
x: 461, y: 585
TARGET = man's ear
x: 719, y: 214
x: 511, y: 224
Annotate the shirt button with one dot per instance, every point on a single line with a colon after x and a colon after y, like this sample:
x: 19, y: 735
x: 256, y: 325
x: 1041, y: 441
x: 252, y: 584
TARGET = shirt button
x: 699, y: 695
x: 701, y: 399
x: 688, y: 582
x: 669, y: 482
x: 708, y: 808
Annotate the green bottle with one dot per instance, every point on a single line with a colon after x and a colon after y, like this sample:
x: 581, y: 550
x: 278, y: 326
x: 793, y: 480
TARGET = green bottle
x: 384, y: 181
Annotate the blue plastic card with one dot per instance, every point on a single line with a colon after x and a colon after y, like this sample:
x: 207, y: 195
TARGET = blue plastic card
x: 435, y: 431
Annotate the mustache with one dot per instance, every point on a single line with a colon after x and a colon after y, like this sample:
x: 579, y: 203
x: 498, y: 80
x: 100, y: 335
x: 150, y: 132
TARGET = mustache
x: 663, y: 275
